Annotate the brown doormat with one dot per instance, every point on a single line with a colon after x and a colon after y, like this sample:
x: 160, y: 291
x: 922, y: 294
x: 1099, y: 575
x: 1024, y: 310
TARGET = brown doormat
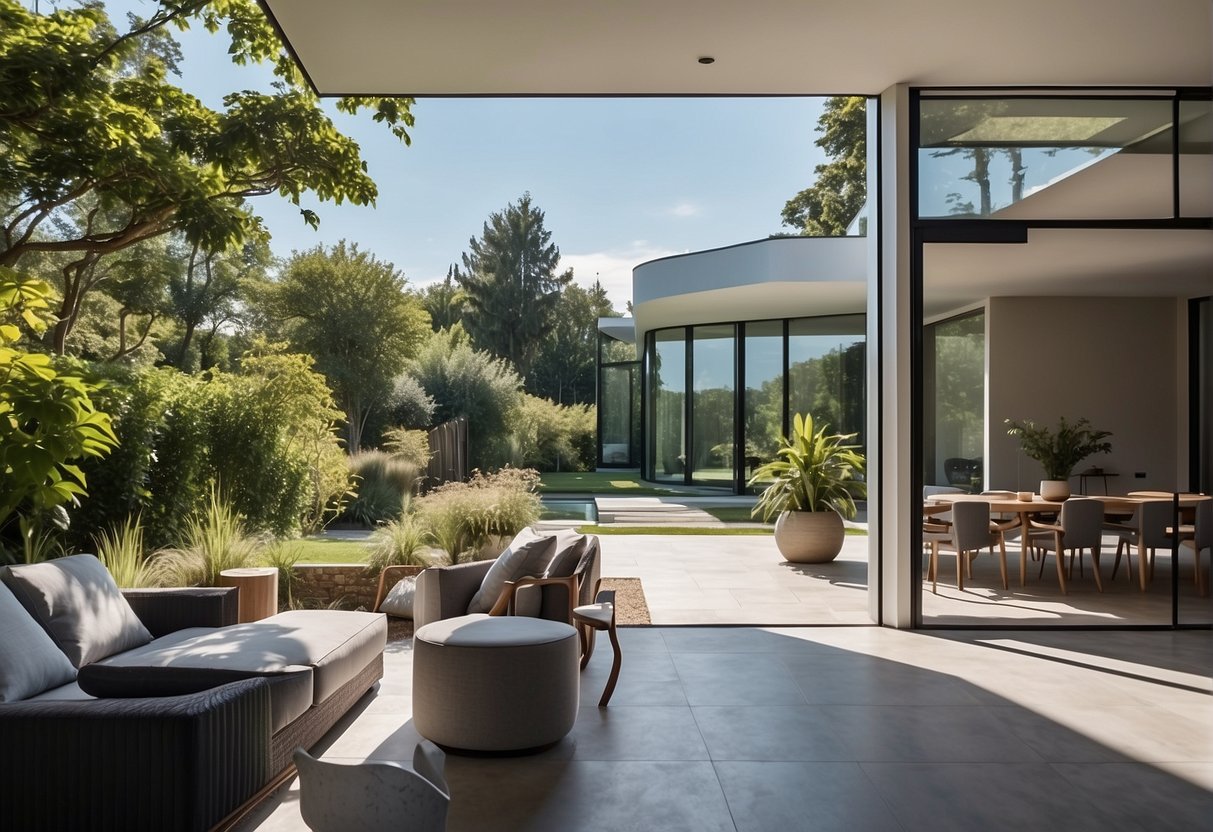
x: 630, y: 605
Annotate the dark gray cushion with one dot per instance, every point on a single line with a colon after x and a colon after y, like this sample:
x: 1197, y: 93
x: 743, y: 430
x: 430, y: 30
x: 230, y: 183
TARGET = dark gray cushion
x: 79, y: 605
x: 30, y: 663
x: 570, y: 546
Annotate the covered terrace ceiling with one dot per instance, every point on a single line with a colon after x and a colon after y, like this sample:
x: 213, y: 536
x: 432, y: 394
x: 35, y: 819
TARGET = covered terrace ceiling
x: 786, y: 47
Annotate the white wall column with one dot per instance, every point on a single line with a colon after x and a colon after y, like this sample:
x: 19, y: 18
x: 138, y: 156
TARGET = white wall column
x: 890, y: 501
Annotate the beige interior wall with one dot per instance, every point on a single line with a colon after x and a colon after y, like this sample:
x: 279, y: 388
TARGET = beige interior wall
x: 1112, y: 360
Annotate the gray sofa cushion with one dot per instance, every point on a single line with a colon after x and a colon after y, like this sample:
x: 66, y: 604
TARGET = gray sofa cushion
x: 30, y: 663
x: 527, y: 556
x: 399, y: 599
x: 570, y: 546
x: 79, y: 605
x: 332, y: 644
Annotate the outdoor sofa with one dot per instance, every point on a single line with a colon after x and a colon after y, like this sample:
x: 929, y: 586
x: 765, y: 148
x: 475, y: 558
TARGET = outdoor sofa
x: 155, y: 709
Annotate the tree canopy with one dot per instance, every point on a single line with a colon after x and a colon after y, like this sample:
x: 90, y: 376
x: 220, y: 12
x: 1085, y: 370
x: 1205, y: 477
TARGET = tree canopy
x: 509, y: 277
x: 826, y: 207
x: 99, y: 151
x: 564, y: 369
x: 352, y: 313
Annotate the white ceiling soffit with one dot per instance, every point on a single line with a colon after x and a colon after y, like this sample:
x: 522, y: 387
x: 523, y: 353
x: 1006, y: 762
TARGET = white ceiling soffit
x: 1070, y: 263
x: 792, y: 47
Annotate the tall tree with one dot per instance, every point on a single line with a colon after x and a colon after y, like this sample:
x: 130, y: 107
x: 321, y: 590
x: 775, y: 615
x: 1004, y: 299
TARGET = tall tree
x: 444, y: 301
x: 101, y: 152
x: 509, y: 276
x: 351, y: 312
x: 564, y: 370
x: 826, y: 207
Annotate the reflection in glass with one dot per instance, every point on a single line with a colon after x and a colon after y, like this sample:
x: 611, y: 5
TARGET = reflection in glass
x: 615, y: 413
x: 1045, y: 158
x: 827, y: 372
x: 668, y: 384
x: 613, y: 351
x: 1196, y: 158
x: 763, y: 391
x: 954, y: 354
x: 714, y: 364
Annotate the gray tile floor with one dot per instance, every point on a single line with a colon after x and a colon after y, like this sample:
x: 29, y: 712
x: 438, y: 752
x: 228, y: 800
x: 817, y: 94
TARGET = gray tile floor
x: 756, y: 729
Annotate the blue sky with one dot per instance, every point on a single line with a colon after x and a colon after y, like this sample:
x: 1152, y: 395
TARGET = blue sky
x: 621, y: 181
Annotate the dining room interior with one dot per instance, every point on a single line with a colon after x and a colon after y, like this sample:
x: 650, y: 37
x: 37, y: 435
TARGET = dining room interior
x: 1064, y: 313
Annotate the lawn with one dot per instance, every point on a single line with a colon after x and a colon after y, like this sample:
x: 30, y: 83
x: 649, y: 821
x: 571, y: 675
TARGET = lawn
x: 330, y: 550
x: 605, y: 483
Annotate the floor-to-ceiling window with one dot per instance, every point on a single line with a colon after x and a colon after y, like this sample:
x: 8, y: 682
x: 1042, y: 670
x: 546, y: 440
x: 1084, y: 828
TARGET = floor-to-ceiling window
x: 618, y: 403
x: 827, y: 371
x: 713, y: 372
x: 667, y: 391
x: 954, y: 424
x: 763, y: 400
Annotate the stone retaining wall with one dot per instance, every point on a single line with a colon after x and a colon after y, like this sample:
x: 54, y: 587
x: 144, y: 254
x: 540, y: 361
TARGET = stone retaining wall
x: 344, y: 585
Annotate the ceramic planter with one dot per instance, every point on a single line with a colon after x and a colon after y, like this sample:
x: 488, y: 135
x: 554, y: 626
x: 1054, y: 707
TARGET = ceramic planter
x: 809, y: 536
x: 1055, y: 490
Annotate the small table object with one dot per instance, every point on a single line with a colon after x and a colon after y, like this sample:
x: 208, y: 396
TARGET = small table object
x: 601, y: 616
x: 258, y: 585
x: 1091, y: 474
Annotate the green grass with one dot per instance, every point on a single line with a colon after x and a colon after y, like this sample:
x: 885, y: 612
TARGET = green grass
x: 604, y: 483
x: 733, y: 514
x: 328, y: 550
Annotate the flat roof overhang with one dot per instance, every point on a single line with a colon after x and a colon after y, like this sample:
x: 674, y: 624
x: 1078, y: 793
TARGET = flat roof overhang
x: 762, y: 47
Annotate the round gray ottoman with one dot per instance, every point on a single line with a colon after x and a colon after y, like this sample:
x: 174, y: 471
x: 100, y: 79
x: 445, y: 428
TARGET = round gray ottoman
x: 495, y: 684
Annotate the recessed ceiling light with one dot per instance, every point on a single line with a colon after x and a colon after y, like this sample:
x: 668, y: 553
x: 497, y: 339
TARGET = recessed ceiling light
x: 707, y: 59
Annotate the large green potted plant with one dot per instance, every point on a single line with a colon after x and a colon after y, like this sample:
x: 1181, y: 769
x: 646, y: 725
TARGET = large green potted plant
x: 811, y: 486
x: 1060, y: 451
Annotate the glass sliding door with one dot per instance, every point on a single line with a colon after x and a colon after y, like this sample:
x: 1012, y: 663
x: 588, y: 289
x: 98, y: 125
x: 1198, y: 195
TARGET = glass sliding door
x: 954, y: 421
x: 714, y: 368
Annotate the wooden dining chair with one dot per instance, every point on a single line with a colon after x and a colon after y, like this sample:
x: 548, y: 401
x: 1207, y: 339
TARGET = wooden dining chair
x: 1200, y: 540
x: 1147, y: 530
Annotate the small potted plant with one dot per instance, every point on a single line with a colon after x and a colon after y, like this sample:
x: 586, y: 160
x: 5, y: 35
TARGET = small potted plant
x: 1058, y: 452
x: 811, y: 486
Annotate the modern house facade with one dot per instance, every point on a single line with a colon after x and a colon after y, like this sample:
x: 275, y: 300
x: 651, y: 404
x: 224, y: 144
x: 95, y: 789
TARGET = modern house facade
x: 1041, y: 202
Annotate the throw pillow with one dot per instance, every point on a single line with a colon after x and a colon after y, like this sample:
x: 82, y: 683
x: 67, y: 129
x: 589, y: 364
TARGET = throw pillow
x: 399, y: 600
x: 29, y: 661
x: 527, y: 556
x: 569, y: 548
x: 79, y: 605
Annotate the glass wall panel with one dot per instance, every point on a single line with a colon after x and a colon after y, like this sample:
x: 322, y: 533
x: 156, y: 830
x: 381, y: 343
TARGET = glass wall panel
x: 1196, y: 158
x: 714, y: 367
x: 1045, y: 158
x: 763, y: 403
x: 827, y: 371
x: 954, y: 354
x: 668, y: 386
x: 615, y: 414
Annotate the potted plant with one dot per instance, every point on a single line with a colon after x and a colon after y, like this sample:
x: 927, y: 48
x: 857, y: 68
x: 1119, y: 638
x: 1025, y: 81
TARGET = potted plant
x: 812, y: 486
x: 1058, y: 452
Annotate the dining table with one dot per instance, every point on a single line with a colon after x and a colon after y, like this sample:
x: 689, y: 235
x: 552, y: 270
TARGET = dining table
x: 1002, y: 503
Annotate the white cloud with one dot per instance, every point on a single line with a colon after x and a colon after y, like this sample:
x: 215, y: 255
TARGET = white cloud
x: 612, y: 268
x: 683, y: 210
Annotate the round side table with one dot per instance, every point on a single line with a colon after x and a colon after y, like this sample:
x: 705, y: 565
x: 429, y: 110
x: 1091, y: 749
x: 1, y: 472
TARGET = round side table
x: 258, y: 587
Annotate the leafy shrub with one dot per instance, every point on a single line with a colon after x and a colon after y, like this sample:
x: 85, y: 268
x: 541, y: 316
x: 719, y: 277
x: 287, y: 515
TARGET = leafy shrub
x: 48, y: 420
x: 467, y: 382
x: 465, y: 516
x: 215, y: 539
x: 265, y: 434
x: 410, y: 445
x: 382, y: 483
x: 554, y: 437
x: 120, y: 550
